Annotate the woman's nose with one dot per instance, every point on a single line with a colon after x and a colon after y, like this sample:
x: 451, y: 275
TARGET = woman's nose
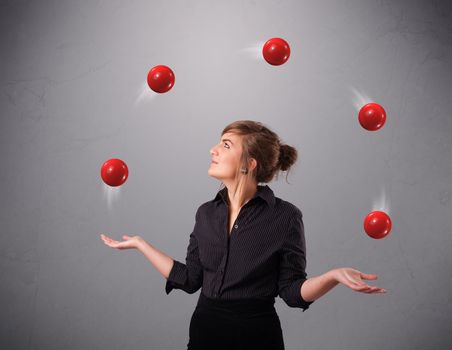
x: 213, y: 150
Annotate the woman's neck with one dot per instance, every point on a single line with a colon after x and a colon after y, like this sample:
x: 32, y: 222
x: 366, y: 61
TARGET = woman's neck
x: 241, y: 197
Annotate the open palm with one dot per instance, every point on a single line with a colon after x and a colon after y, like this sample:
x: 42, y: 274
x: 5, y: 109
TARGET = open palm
x: 128, y: 243
x: 354, y: 279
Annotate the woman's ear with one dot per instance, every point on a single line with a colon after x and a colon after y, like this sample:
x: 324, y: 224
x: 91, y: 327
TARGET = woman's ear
x: 252, y: 164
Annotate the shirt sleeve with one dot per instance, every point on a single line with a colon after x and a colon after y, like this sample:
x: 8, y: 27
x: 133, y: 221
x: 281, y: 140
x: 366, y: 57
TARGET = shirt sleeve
x: 187, y: 277
x: 292, y: 273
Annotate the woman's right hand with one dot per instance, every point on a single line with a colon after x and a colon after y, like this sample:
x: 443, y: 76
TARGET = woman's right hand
x: 353, y: 279
x: 128, y: 243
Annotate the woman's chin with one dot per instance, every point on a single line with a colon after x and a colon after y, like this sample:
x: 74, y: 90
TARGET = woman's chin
x: 210, y: 173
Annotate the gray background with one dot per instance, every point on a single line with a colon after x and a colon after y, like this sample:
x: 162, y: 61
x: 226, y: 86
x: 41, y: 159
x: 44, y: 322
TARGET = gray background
x: 73, y: 94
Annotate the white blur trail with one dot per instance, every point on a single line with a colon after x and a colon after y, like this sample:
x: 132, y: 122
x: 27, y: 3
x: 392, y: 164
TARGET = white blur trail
x: 254, y: 51
x: 111, y: 194
x: 145, y: 94
x: 382, y: 203
x: 359, y: 98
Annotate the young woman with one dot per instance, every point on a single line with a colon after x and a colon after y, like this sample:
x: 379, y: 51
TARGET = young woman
x: 246, y: 248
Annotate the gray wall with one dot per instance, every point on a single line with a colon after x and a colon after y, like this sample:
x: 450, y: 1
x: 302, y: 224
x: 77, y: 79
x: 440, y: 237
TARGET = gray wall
x: 73, y: 94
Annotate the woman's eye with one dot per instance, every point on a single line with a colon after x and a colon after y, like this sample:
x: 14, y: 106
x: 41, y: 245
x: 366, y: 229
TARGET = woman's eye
x: 225, y: 144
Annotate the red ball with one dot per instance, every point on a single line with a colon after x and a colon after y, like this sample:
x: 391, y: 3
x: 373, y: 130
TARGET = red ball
x: 372, y: 116
x: 161, y: 79
x: 114, y: 172
x: 276, y: 51
x: 377, y: 224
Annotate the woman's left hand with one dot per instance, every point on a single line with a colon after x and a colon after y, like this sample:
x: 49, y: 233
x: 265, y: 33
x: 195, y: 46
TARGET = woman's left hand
x: 354, y: 279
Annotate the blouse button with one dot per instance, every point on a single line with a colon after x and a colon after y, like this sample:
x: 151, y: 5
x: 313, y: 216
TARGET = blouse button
x: 236, y: 226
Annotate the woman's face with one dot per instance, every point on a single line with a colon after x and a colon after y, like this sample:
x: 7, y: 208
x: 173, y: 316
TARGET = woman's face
x: 226, y: 157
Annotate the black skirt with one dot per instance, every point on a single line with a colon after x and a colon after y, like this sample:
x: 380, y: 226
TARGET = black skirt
x: 235, y: 324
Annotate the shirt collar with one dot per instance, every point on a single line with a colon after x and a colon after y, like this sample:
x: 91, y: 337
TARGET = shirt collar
x: 264, y: 192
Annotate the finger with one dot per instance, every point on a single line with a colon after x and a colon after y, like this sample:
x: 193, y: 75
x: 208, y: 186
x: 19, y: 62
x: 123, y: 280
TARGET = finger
x: 358, y: 283
x: 106, y: 238
x: 357, y: 287
x: 109, y: 240
x: 376, y: 289
x: 111, y: 243
x: 364, y: 290
x: 366, y: 287
x: 361, y: 288
x: 368, y: 276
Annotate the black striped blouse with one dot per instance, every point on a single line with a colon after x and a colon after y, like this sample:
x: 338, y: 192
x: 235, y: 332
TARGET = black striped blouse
x: 263, y: 257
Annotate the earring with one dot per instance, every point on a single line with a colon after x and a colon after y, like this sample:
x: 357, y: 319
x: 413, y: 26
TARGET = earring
x: 244, y: 171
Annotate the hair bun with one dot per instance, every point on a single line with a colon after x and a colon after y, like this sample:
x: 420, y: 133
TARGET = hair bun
x: 287, y: 156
